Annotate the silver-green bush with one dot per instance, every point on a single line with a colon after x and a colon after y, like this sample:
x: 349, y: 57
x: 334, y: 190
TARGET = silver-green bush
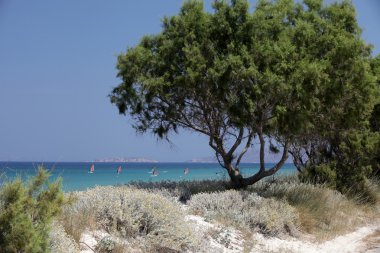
x: 182, y: 190
x: 133, y: 213
x: 60, y: 241
x: 247, y: 210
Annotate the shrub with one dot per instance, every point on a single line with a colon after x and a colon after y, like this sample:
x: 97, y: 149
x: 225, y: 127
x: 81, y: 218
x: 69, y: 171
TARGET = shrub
x: 135, y: 214
x: 78, y: 216
x: 322, y: 211
x: 319, y: 174
x: 60, y: 241
x: 246, y: 210
x: 26, y: 212
x: 182, y: 190
x: 345, y: 163
x: 356, y: 156
x: 106, y: 245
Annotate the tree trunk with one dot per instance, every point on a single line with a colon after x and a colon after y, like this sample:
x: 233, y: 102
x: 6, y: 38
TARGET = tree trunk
x: 239, y: 182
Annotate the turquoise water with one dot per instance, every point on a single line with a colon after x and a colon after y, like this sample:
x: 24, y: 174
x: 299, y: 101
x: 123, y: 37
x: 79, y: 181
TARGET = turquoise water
x: 75, y: 176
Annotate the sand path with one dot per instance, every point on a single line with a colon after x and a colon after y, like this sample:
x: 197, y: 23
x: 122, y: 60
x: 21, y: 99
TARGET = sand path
x: 365, y: 239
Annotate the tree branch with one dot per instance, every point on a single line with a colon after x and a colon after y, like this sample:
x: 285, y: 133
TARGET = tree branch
x: 237, y: 142
x: 247, y: 145
x: 262, y: 148
x: 261, y: 174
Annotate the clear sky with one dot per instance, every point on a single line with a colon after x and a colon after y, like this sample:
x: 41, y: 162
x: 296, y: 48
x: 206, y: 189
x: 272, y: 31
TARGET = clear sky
x: 57, y: 66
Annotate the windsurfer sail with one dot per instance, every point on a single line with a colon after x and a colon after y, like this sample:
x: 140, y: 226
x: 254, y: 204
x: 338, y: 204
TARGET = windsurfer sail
x: 154, y: 172
x: 186, y: 171
x: 119, y: 170
x: 92, y: 169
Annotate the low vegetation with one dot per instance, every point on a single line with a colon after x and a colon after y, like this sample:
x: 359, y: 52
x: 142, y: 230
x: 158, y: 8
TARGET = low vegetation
x: 131, y: 214
x: 26, y: 213
x: 245, y: 210
x: 60, y: 241
x: 323, y: 212
x: 151, y: 217
x: 183, y: 190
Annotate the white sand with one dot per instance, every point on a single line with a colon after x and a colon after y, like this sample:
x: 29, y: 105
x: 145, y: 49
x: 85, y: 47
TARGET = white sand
x: 228, y: 240
x: 231, y: 241
x: 352, y: 242
x: 90, y: 239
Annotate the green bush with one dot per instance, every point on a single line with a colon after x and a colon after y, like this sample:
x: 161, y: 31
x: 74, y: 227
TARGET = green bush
x: 26, y: 212
x: 351, y: 160
x: 319, y: 174
x: 182, y: 190
x: 353, y: 168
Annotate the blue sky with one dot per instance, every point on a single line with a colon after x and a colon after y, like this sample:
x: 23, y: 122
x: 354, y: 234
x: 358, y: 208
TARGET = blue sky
x: 57, y: 66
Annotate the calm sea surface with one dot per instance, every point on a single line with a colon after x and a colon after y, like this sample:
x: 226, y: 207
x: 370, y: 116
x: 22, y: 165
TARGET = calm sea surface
x: 76, y: 176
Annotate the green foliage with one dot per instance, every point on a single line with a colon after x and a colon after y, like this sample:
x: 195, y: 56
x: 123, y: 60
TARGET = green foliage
x: 348, y: 166
x: 375, y: 118
x: 319, y: 174
x: 375, y: 163
x: 355, y: 157
x: 342, y: 92
x: 294, y: 72
x: 26, y: 212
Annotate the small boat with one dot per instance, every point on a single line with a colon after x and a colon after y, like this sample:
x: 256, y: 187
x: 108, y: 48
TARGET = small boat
x: 186, y: 171
x: 92, y: 169
x: 119, y: 170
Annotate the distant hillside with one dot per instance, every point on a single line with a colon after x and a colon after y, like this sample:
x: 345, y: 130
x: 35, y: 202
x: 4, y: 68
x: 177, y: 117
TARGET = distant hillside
x: 126, y: 160
x: 252, y: 156
x: 202, y: 160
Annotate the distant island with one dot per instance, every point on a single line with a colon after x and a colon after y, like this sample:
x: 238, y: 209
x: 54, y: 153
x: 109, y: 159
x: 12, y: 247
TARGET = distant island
x: 126, y: 160
x: 202, y: 160
x: 252, y: 156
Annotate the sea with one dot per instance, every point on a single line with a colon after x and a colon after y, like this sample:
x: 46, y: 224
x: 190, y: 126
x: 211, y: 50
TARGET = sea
x: 76, y: 177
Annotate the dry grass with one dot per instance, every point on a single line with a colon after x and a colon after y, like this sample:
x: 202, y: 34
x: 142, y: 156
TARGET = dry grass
x: 77, y: 217
x: 323, y: 212
x: 60, y: 241
x: 373, y: 240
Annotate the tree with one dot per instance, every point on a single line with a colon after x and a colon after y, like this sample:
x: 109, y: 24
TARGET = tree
x: 235, y: 76
x: 375, y: 117
x: 346, y: 92
x: 339, y: 145
x: 26, y: 213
